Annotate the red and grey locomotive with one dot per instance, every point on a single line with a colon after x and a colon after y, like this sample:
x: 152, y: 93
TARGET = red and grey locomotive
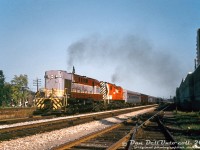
x: 63, y: 89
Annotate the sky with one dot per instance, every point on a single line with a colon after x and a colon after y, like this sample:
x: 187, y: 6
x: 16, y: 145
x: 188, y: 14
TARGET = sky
x: 146, y: 46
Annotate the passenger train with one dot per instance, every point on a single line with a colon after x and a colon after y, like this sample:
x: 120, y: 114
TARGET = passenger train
x: 65, y: 91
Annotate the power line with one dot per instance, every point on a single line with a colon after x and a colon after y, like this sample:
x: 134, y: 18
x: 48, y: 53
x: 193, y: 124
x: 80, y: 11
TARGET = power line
x: 37, y: 83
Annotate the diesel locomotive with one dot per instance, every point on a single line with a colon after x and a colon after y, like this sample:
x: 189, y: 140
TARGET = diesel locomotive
x: 66, y: 91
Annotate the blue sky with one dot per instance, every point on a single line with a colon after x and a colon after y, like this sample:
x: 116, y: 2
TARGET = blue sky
x: 143, y: 45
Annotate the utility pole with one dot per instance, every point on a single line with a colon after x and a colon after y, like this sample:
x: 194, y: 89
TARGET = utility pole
x: 37, y: 83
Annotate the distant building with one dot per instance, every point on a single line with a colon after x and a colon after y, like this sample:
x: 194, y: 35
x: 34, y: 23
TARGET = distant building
x: 198, y: 47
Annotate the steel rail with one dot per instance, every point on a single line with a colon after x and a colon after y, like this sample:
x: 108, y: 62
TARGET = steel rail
x: 141, y: 125
x: 87, y: 137
x: 131, y: 134
x: 168, y: 135
x: 14, y: 132
x: 116, y: 145
x: 25, y: 119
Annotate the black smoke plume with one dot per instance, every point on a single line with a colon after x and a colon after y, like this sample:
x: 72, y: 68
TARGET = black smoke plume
x: 134, y: 59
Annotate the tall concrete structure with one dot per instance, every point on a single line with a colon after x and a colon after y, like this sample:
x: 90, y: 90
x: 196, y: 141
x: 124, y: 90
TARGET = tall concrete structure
x: 198, y: 47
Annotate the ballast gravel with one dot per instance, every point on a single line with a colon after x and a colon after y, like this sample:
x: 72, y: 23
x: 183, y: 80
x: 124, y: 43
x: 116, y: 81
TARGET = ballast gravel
x: 48, y: 140
x: 54, y: 119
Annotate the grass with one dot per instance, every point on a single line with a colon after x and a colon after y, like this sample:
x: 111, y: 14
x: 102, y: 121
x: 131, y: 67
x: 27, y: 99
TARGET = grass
x: 188, y: 124
x: 8, y: 113
x: 188, y: 120
x: 183, y: 113
x: 186, y: 142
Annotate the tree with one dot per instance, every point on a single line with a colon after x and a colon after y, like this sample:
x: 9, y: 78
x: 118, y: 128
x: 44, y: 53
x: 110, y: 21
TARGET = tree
x: 8, y: 93
x: 2, y: 82
x: 19, y: 89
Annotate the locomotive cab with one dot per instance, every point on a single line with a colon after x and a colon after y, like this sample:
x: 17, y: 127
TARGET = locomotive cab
x: 57, y: 87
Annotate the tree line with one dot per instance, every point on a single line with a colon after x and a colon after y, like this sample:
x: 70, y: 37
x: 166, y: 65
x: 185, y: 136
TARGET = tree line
x: 15, y: 93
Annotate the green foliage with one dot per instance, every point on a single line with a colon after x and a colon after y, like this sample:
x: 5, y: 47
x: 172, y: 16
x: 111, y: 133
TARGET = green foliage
x: 14, y: 92
x: 19, y: 89
x: 20, y: 81
x: 186, y: 127
x: 7, y: 94
x: 2, y: 79
x: 2, y: 82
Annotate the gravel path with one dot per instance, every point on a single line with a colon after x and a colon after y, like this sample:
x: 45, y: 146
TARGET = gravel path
x: 49, y: 140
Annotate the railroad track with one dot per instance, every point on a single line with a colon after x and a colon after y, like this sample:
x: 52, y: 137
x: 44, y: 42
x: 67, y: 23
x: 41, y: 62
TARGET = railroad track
x: 31, y: 129
x: 152, y: 134
x: 25, y: 119
x: 101, y: 140
x: 126, y: 135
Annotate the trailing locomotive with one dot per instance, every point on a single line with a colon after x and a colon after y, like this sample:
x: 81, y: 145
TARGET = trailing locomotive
x: 111, y: 91
x: 68, y: 91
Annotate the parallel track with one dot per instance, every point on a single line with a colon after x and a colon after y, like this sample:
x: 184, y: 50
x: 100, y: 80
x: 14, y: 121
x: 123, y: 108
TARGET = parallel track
x: 31, y: 129
x: 152, y: 134
x: 120, y: 135
x: 19, y: 120
x: 101, y: 140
